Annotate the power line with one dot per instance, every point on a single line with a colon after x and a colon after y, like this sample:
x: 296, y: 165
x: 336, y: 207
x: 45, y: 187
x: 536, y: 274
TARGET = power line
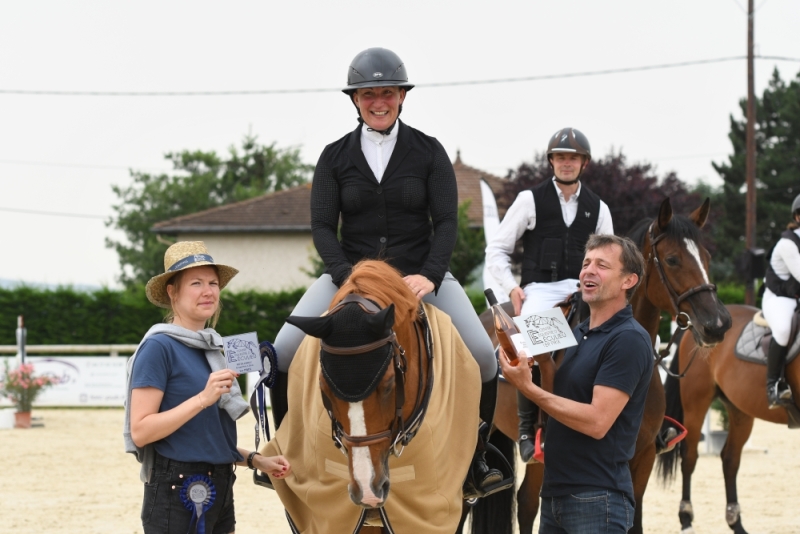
x: 79, y: 165
x: 35, y: 92
x: 53, y: 213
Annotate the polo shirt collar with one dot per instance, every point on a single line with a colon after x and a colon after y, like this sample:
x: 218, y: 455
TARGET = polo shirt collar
x: 620, y: 317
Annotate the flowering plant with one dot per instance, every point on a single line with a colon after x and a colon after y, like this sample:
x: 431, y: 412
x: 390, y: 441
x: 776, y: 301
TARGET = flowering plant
x: 21, y: 387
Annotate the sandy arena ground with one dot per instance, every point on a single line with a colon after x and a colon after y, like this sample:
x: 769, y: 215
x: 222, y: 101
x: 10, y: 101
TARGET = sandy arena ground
x: 70, y: 476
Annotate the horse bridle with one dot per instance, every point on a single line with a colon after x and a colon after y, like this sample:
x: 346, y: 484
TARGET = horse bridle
x: 675, y: 299
x: 401, y: 432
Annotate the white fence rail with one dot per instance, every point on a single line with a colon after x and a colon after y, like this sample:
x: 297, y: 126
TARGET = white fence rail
x: 111, y: 350
x: 90, y: 375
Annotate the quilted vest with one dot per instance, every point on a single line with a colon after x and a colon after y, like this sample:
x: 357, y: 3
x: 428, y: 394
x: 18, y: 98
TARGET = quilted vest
x: 553, y: 251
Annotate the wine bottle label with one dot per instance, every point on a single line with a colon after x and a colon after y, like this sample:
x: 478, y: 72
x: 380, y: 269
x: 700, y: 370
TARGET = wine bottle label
x: 519, y: 343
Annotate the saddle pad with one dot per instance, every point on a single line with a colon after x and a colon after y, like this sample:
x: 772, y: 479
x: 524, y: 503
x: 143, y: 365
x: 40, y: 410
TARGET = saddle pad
x: 427, y: 479
x: 749, y: 348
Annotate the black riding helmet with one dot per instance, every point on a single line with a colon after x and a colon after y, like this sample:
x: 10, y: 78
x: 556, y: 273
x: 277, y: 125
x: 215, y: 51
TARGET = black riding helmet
x: 376, y: 67
x: 572, y: 141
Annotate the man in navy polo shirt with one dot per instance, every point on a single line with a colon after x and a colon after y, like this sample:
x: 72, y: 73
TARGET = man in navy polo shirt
x: 598, y: 399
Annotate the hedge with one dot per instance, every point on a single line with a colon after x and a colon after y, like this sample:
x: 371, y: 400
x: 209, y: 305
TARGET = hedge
x: 66, y: 316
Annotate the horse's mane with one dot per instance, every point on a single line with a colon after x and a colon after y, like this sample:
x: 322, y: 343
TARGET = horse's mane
x: 679, y: 227
x: 379, y: 281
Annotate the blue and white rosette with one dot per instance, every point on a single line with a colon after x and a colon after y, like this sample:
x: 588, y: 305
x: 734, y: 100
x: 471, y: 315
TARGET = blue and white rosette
x: 197, y: 495
x: 269, y: 361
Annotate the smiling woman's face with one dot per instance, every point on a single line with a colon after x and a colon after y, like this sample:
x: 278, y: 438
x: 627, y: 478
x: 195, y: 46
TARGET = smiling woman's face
x: 379, y: 106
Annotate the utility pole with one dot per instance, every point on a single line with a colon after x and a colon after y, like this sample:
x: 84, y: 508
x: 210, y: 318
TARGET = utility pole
x: 750, y: 161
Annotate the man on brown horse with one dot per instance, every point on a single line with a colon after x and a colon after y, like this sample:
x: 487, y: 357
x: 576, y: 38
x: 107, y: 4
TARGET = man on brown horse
x: 598, y: 399
x: 554, y: 220
x: 779, y: 303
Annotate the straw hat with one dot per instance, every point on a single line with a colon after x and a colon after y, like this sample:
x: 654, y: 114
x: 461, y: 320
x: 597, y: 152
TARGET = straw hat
x: 179, y: 257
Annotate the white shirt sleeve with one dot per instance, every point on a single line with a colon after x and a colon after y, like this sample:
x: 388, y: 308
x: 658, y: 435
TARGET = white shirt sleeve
x: 521, y: 216
x: 786, y: 259
x: 604, y: 224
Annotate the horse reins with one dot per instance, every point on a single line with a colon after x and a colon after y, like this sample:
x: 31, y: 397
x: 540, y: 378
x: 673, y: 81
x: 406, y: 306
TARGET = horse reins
x: 401, y: 431
x: 675, y: 300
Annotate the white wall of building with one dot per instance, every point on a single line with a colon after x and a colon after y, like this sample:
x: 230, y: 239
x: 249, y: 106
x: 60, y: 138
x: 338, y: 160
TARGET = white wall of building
x: 266, y: 261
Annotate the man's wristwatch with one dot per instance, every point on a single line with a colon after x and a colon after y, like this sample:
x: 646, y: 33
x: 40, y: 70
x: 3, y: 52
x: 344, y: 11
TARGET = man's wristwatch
x: 250, y: 459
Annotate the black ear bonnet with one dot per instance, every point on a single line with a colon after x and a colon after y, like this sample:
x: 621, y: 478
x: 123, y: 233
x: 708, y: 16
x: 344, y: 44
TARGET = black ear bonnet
x: 352, y: 377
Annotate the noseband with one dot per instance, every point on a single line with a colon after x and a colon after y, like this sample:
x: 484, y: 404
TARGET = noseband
x: 401, y: 431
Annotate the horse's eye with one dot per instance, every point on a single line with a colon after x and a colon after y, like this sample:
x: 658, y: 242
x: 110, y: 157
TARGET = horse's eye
x: 387, y: 387
x: 673, y: 261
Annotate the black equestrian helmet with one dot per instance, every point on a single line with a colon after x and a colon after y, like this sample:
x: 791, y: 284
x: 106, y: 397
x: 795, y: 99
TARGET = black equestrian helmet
x: 376, y: 67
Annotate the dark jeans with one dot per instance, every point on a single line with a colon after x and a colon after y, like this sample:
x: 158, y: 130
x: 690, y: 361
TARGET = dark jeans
x: 163, y: 511
x: 592, y: 512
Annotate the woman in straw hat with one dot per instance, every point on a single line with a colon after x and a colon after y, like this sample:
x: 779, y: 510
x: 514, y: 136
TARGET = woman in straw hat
x: 183, y: 402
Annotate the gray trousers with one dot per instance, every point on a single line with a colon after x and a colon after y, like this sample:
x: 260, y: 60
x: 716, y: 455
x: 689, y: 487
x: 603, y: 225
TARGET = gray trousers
x: 450, y: 298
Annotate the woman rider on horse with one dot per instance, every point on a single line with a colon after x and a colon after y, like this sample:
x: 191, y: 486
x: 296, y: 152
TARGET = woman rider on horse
x: 779, y: 303
x: 394, y: 189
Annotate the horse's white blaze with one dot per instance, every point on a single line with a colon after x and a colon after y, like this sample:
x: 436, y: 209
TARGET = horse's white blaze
x: 363, y: 472
x: 691, y: 246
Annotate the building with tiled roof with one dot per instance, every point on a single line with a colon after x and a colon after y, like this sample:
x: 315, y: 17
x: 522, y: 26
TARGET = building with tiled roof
x: 268, y: 238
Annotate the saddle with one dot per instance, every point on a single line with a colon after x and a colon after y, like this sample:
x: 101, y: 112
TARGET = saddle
x: 753, y: 342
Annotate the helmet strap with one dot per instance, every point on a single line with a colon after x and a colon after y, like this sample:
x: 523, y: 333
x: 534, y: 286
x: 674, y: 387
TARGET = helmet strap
x: 387, y: 131
x: 564, y: 182
x: 360, y: 119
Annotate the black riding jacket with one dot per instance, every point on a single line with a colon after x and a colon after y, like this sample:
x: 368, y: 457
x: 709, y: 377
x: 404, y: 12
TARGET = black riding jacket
x: 409, y: 218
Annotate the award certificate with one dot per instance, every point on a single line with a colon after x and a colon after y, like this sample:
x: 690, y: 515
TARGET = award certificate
x: 242, y: 353
x: 546, y: 331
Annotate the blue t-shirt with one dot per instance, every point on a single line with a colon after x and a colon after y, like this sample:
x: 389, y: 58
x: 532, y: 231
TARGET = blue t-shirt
x: 616, y: 354
x: 181, y: 372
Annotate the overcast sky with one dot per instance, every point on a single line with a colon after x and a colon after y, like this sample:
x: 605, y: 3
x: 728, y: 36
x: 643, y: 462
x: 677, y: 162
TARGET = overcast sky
x: 61, y: 154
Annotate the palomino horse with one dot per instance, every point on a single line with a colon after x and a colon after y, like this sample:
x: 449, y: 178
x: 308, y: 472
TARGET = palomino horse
x: 390, y: 384
x: 741, y: 385
x: 675, y: 281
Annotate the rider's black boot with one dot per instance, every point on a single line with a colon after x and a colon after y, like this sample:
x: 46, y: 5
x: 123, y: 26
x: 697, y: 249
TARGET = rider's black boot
x: 778, y: 392
x: 528, y: 412
x: 484, y: 476
x: 279, y: 399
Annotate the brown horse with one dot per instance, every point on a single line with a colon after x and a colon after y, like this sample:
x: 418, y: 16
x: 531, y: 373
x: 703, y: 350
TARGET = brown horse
x: 675, y: 281
x: 741, y: 385
x: 365, y: 387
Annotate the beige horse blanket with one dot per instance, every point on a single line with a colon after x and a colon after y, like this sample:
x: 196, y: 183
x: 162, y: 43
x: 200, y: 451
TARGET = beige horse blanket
x: 426, y: 480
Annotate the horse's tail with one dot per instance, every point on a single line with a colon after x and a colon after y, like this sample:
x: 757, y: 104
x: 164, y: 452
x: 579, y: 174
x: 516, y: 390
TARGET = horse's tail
x: 494, y: 514
x: 668, y: 461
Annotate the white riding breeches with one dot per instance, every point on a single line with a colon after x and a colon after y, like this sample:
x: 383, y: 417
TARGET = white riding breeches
x: 540, y: 296
x: 778, y: 312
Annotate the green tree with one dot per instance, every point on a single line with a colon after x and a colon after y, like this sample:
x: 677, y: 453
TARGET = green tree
x: 469, y: 250
x: 200, y: 180
x: 777, y: 170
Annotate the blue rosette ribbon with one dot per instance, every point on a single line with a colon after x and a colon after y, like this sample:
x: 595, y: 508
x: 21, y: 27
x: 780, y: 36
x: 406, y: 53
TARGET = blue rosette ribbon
x: 197, y: 495
x: 269, y: 362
